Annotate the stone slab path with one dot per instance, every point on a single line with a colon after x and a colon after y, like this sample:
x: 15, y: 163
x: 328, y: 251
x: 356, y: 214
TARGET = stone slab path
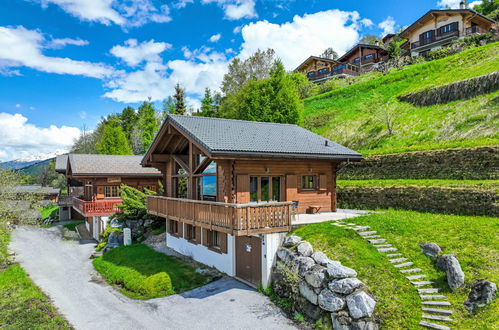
x: 429, y: 299
x: 65, y: 273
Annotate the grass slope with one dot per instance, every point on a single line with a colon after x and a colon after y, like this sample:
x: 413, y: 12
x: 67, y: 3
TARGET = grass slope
x: 472, y: 239
x: 22, y: 304
x: 346, y: 114
x: 467, y: 184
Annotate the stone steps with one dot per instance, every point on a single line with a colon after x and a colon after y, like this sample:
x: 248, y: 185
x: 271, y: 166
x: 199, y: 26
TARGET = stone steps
x: 432, y: 290
x: 397, y: 260
x: 436, y: 303
x: 412, y: 270
x: 371, y: 236
x: 389, y: 249
x: 433, y: 325
x: 432, y: 296
x: 394, y: 255
x: 437, y: 311
x: 361, y: 228
x: 365, y: 233
x: 382, y: 245
x: 405, y: 264
x: 415, y: 277
x: 378, y: 240
x: 437, y: 317
x: 421, y: 283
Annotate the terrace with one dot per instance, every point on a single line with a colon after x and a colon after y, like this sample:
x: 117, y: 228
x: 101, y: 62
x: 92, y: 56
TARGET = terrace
x: 97, y: 207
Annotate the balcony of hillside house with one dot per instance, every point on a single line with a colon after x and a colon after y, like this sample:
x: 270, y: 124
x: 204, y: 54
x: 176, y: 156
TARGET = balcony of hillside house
x: 337, y: 71
x: 97, y: 207
x: 475, y: 30
x: 235, y: 219
x: 435, y: 38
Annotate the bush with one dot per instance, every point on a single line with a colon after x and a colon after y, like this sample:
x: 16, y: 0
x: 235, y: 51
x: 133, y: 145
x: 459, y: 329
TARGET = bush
x: 159, y: 284
x: 105, y: 235
x: 129, y: 279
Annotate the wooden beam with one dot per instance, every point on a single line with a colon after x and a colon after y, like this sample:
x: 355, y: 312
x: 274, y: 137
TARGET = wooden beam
x: 159, y: 158
x: 181, y: 162
x: 203, y: 165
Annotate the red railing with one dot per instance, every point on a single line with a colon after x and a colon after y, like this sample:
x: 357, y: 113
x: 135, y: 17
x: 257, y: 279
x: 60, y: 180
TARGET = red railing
x: 98, y: 207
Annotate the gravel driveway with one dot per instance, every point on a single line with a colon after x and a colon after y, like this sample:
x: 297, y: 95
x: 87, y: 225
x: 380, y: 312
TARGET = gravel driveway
x: 64, y: 272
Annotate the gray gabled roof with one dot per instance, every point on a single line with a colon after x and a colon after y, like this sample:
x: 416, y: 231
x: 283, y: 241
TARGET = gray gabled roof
x: 109, y: 165
x: 61, y: 163
x: 249, y: 138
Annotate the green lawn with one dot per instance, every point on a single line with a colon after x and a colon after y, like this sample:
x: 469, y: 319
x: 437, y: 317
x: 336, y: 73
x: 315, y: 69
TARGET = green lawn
x: 128, y: 267
x: 347, y: 115
x: 470, y: 184
x: 72, y: 226
x: 22, y: 304
x: 472, y: 239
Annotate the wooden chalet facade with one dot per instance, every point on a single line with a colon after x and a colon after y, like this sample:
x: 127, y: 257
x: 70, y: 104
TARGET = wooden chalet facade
x: 93, y: 185
x: 363, y: 55
x: 232, y: 187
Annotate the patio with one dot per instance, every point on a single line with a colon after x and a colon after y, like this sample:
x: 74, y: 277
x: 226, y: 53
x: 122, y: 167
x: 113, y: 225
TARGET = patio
x: 305, y: 219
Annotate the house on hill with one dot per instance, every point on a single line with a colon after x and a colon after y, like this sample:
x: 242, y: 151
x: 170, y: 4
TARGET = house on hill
x: 439, y: 27
x: 232, y: 187
x: 93, y: 186
x: 317, y: 68
x: 362, y: 55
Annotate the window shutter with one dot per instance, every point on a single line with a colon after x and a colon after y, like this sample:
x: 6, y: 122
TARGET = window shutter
x: 198, y: 235
x: 180, y: 229
x: 323, y: 182
x: 242, y: 189
x: 169, y: 226
x: 291, y: 187
x: 205, y: 237
x: 223, y: 242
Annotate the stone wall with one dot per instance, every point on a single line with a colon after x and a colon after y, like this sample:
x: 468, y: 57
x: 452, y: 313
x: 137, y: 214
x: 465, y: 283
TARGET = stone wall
x: 423, y: 199
x: 454, y: 164
x: 319, y: 288
x: 459, y: 90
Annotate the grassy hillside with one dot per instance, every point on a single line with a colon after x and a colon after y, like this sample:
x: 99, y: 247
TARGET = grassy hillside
x: 355, y: 115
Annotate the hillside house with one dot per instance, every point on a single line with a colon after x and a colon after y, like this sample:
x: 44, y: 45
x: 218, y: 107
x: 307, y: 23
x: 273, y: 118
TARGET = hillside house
x: 232, y: 187
x: 362, y: 55
x: 438, y: 28
x: 93, y: 186
x: 317, y: 68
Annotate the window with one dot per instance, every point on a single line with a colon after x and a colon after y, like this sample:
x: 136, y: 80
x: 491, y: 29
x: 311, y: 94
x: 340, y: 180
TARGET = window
x: 111, y: 191
x: 309, y: 182
x: 356, y: 60
x: 190, y: 233
x: 369, y: 57
x: 323, y: 71
x: 265, y: 189
x: 311, y: 74
x: 216, y: 239
x: 151, y: 187
x: 174, y: 227
x: 427, y: 35
x: 448, y: 28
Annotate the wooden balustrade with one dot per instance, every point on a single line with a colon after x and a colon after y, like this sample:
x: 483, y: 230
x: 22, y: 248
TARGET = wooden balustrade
x: 236, y: 219
x: 95, y: 208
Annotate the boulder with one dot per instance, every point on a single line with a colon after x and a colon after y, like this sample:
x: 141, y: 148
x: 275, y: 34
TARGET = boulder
x: 450, y: 264
x: 341, y: 321
x: 430, y: 249
x: 316, y: 276
x: 330, y: 301
x: 309, y: 310
x: 339, y: 271
x: 320, y: 258
x: 307, y: 292
x: 345, y: 285
x: 305, y: 249
x: 360, y: 305
x: 283, y: 254
x: 290, y: 241
x: 364, y: 325
x: 304, y: 264
x: 482, y: 293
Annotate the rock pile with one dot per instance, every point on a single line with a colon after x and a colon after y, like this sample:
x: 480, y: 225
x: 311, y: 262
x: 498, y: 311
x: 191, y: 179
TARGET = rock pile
x: 318, y: 286
x: 482, y: 293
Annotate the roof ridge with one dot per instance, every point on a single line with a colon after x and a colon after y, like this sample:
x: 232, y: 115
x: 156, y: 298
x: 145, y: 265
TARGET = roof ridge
x: 232, y: 120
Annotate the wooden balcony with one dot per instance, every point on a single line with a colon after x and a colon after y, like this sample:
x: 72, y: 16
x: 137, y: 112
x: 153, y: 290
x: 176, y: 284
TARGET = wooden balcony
x: 235, y: 219
x: 96, y: 208
x: 434, y: 39
x: 475, y: 29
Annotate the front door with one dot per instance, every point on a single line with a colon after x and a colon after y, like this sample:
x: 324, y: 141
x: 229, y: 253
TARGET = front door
x: 249, y: 259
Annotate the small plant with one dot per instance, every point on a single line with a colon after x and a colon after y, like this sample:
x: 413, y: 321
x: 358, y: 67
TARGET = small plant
x: 105, y: 235
x: 299, y: 317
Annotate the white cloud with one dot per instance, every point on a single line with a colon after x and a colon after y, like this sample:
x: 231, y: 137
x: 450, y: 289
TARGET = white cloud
x: 215, y: 37
x: 20, y: 138
x: 304, y: 36
x: 82, y: 114
x: 236, y: 9
x: 474, y: 3
x: 454, y: 4
x: 388, y: 25
x: 134, y: 53
x: 22, y: 47
x: 181, y: 3
x: 366, y: 22
x: 120, y: 12
x: 18, y: 105
x: 60, y: 43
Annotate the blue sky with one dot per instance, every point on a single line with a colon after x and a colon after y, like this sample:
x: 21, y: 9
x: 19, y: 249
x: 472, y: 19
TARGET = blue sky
x: 67, y: 63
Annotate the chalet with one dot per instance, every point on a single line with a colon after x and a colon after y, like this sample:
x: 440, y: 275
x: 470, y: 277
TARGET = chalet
x: 317, y: 68
x: 362, y: 55
x: 94, y: 182
x: 438, y: 28
x: 232, y: 188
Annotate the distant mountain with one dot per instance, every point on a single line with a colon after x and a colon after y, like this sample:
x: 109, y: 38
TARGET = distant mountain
x: 31, y: 161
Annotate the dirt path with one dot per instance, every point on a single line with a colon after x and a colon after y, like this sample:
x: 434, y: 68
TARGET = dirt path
x: 63, y: 271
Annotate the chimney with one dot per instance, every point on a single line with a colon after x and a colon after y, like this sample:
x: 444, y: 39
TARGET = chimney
x: 326, y: 143
x: 463, y: 4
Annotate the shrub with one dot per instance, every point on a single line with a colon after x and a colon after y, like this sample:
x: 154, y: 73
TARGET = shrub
x: 159, y: 284
x: 105, y: 235
x: 129, y: 279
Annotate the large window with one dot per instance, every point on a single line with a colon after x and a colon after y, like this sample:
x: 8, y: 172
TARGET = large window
x: 265, y: 188
x: 208, y: 188
x: 448, y: 28
x: 309, y: 182
x: 174, y: 228
x: 191, y: 234
x: 111, y: 191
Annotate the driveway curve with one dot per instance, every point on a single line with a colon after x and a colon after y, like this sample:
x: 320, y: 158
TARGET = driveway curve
x: 65, y: 273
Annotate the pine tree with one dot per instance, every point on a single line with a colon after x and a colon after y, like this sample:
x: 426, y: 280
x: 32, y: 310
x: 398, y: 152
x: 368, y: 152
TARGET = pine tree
x: 147, y: 123
x: 113, y: 140
x: 179, y: 100
x: 129, y: 119
x: 207, y: 104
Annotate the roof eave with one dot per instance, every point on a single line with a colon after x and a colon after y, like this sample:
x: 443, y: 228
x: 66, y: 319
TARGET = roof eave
x: 223, y: 153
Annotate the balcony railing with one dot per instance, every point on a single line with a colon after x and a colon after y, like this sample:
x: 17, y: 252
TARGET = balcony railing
x: 347, y: 69
x: 95, y: 208
x: 475, y: 29
x: 435, y: 38
x: 236, y: 219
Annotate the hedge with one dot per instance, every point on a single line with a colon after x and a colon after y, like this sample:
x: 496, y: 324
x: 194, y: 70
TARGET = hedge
x: 424, y: 199
x: 479, y: 163
x: 459, y: 90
